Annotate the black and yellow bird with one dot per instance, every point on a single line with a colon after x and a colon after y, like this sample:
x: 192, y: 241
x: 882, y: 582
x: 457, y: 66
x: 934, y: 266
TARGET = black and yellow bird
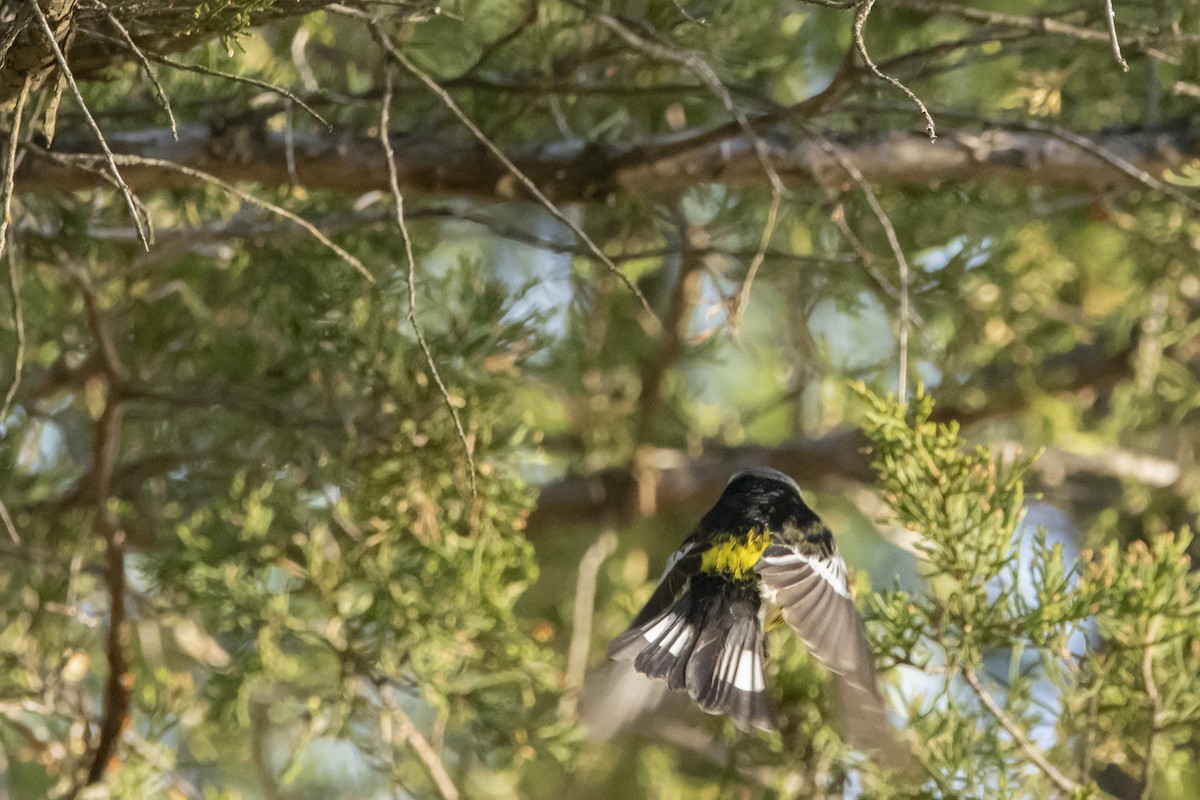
x: 759, y: 552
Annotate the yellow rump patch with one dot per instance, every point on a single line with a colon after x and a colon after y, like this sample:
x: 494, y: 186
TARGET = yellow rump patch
x: 736, y: 555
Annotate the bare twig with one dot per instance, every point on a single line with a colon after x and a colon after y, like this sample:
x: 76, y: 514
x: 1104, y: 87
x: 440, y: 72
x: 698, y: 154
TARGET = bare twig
x: 1156, y: 707
x: 185, y: 239
x: 1061, y: 781
x: 513, y: 169
x: 407, y: 733
x: 108, y: 154
x: 581, y: 632
x: 708, y: 76
x: 905, y: 322
x: 860, y: 22
x: 1110, y: 18
x: 282, y: 91
x: 14, y: 277
x: 8, y: 524
x: 163, y: 100
x: 393, y: 179
x: 1108, y: 156
x: 267, y: 205
x: 289, y: 143
x: 1045, y: 23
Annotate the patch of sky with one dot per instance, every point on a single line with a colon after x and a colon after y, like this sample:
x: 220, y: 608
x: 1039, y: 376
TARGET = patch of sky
x: 702, y: 204
x: 536, y: 272
x: 938, y: 258
x: 1045, y: 704
x: 41, y: 447
x: 856, y: 335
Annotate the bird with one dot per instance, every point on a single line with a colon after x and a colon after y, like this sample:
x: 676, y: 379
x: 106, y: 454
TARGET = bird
x: 760, y: 554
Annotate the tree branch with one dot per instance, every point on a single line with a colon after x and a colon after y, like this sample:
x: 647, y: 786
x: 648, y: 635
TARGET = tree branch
x: 826, y: 461
x: 432, y: 162
x: 1064, y: 784
x: 406, y: 733
x: 118, y: 687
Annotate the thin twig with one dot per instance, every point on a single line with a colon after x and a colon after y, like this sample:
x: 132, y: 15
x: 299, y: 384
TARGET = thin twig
x: 581, y: 632
x: 1110, y: 18
x: 289, y: 143
x: 860, y: 22
x: 889, y: 230
x: 1047, y: 24
x: 259, y: 730
x: 108, y: 154
x: 407, y: 733
x: 192, y: 172
x: 1039, y: 760
x: 394, y: 181
x: 163, y: 100
x: 7, y: 180
x: 84, y: 162
x: 709, y: 78
x: 283, y: 92
x: 513, y: 169
x: 147, y: 751
x: 8, y: 524
x: 1156, y: 707
x: 1109, y: 157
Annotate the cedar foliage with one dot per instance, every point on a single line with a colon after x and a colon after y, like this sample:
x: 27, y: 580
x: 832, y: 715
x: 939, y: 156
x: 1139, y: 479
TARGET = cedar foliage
x: 323, y: 597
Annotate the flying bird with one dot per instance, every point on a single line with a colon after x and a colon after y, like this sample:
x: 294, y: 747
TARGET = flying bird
x: 759, y: 554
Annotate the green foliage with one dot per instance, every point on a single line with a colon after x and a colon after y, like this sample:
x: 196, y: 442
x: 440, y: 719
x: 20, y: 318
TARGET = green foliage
x: 307, y: 566
x: 1111, y: 640
x: 323, y: 551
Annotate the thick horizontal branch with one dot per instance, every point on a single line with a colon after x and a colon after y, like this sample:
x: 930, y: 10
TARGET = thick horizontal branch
x: 436, y: 163
x: 671, y: 479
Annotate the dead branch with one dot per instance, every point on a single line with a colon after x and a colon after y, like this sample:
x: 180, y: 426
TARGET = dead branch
x: 157, y: 23
x: 885, y: 222
x: 1049, y: 24
x: 708, y: 76
x: 581, y: 626
x: 142, y: 60
x: 282, y: 91
x: 1110, y: 18
x: 406, y: 733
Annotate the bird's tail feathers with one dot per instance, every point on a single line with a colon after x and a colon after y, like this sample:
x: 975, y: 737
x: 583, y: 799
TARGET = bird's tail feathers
x: 709, y: 642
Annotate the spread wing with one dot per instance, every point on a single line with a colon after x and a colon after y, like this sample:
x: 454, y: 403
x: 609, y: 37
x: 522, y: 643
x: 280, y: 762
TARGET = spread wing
x: 807, y: 581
